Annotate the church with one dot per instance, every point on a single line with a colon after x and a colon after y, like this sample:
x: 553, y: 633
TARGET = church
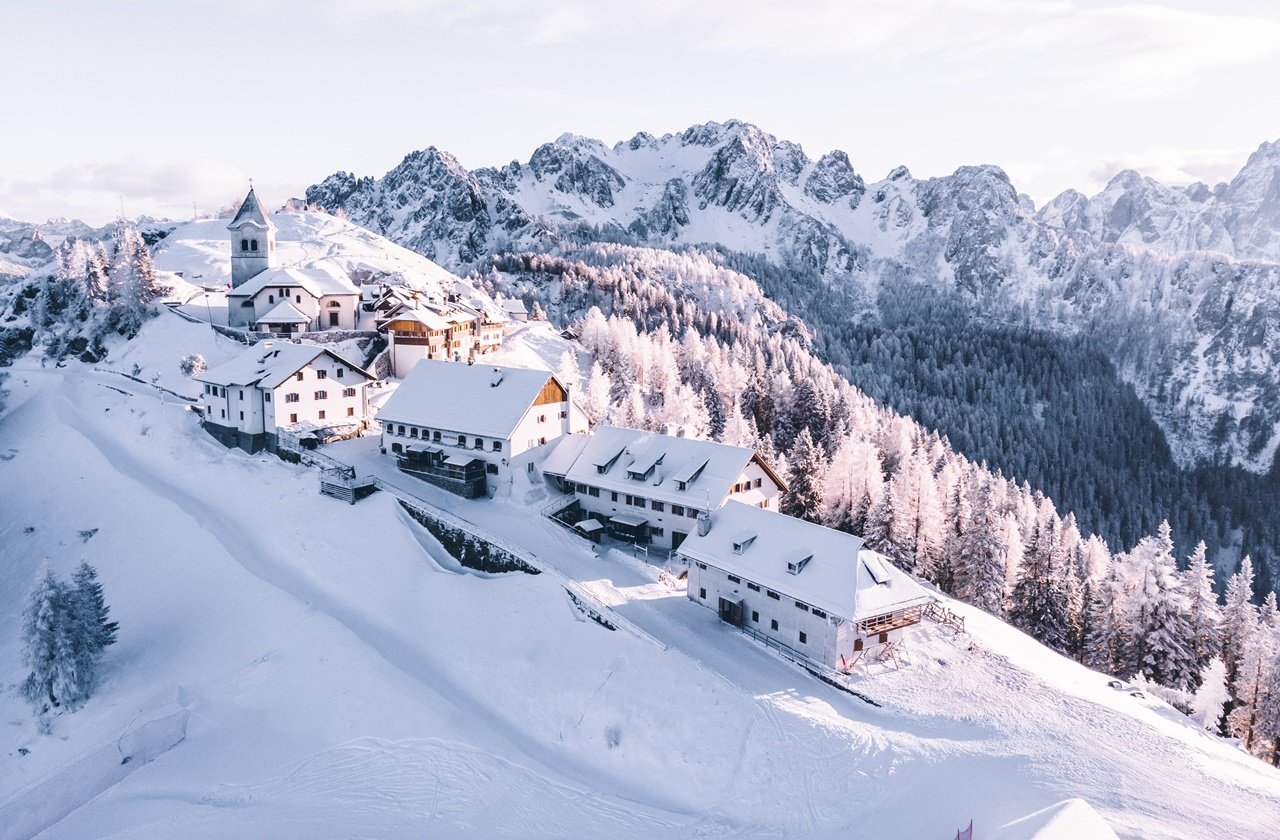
x: 268, y: 298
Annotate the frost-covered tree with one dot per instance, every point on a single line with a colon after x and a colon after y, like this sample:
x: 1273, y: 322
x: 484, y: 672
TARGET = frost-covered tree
x: 854, y: 486
x: 1161, y: 614
x: 595, y: 399
x: 980, y: 562
x: 193, y: 364
x: 64, y: 631
x: 1205, y: 614
x: 1109, y: 643
x: 1212, y: 695
x: 1040, y: 605
x: 1250, y: 687
x: 1239, y: 617
x: 916, y: 534
x: 805, y: 480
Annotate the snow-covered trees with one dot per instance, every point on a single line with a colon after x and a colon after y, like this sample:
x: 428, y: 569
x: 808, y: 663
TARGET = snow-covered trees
x: 806, y: 480
x: 1040, y: 604
x: 65, y: 629
x: 1204, y: 614
x: 978, y: 566
x: 192, y: 364
x: 1161, y: 614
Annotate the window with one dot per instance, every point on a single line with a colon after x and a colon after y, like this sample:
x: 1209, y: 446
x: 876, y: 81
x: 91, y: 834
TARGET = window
x: 335, y: 304
x: 564, y: 414
x: 692, y: 513
x: 497, y: 446
x: 299, y: 376
x: 293, y: 418
x: 322, y: 374
x: 401, y: 431
x: 613, y: 497
x: 223, y: 413
x: 290, y: 398
x: 462, y: 440
x: 804, y: 640
x: 772, y: 594
x: 773, y: 624
x: 542, y: 418
x: 541, y: 441
x: 333, y: 319
x: 351, y: 412
x: 658, y: 506
x: 253, y: 245
x: 340, y: 372
x: 755, y: 617
x: 297, y: 298
x: 351, y: 392
x: 266, y: 397
x: 655, y: 532
x: 754, y: 587
x: 819, y: 613
x: 241, y: 393
x: 757, y: 482
x: 702, y: 593
x: 395, y: 447
x: 593, y: 491
x: 242, y: 415
x: 271, y: 298
x: 735, y: 578
x: 801, y: 606
x: 491, y: 469
x: 413, y: 432
x: 244, y: 245
x: 321, y: 414
x: 677, y: 510
x: 436, y: 436
x: 700, y: 564
x: 322, y: 395
x: 479, y: 443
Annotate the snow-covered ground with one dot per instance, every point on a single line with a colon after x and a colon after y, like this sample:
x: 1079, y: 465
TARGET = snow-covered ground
x: 343, y: 677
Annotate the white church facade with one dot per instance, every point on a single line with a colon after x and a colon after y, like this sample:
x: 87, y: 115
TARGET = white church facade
x: 265, y: 297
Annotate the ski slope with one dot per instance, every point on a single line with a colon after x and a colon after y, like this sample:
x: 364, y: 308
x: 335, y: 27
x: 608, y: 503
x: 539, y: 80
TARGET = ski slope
x: 343, y: 677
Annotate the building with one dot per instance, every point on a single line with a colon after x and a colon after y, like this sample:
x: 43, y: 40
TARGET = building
x: 816, y: 591
x: 284, y: 301
x: 467, y: 427
x: 272, y: 386
x: 649, y: 488
x: 253, y: 241
x: 419, y: 328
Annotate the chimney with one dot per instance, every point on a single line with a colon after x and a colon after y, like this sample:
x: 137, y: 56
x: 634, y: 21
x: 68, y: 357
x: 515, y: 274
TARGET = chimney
x: 704, y: 523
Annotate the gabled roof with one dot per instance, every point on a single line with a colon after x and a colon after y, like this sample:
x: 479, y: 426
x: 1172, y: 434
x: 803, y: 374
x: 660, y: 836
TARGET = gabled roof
x: 841, y: 576
x: 317, y: 281
x: 708, y: 469
x: 270, y: 363
x: 284, y: 313
x: 458, y: 397
x: 251, y: 212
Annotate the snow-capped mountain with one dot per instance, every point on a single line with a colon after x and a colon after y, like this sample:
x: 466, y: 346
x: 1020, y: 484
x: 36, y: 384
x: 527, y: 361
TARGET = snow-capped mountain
x: 1177, y: 284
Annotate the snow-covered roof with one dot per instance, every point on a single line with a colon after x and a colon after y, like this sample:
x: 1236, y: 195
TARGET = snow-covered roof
x: 251, y: 212
x: 480, y: 400
x: 514, y: 306
x: 317, y: 281
x: 613, y: 455
x: 840, y: 576
x: 268, y: 364
x: 284, y: 313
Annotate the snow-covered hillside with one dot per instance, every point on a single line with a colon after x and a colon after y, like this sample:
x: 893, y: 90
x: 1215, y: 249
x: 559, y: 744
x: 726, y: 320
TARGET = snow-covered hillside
x: 344, y: 676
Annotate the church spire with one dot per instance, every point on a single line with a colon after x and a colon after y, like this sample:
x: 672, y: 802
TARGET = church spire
x: 253, y: 240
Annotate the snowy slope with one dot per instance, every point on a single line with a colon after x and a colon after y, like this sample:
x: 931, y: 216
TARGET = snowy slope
x: 344, y: 677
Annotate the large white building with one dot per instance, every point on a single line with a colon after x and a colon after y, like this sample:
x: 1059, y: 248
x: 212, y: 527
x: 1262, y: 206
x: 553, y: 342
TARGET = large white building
x: 267, y: 298
x: 272, y: 386
x: 466, y: 427
x: 649, y: 488
x: 817, y: 591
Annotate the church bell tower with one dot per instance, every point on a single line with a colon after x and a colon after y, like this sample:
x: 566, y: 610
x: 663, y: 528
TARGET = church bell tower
x: 253, y: 241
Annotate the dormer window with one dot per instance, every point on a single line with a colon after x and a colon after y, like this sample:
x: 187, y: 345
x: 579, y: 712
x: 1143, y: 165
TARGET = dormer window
x: 797, y: 561
x: 244, y: 245
x: 743, y: 541
x: 253, y: 245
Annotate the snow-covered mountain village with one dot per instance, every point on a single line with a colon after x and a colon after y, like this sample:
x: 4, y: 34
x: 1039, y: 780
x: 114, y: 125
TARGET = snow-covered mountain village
x: 683, y: 485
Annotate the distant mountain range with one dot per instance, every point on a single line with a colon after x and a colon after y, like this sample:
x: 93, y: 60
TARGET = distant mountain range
x: 1178, y: 285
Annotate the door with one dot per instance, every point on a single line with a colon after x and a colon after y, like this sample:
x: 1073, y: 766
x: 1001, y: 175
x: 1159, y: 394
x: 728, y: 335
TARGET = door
x: 333, y: 319
x: 677, y: 537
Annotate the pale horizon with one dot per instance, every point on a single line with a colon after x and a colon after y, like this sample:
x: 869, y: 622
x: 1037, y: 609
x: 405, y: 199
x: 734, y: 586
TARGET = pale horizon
x: 174, y: 107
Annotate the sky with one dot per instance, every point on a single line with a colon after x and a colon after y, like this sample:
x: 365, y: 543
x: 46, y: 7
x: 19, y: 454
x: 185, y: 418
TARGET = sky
x: 168, y: 109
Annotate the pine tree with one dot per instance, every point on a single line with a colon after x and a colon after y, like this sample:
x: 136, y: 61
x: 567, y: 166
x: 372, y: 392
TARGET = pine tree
x: 917, y: 517
x: 805, y: 480
x: 1253, y: 676
x: 62, y: 645
x: 1239, y: 617
x: 980, y: 566
x: 1211, y: 696
x: 1162, y: 620
x: 1039, y: 598
x: 96, y: 611
x: 1109, y: 644
x: 1205, y: 614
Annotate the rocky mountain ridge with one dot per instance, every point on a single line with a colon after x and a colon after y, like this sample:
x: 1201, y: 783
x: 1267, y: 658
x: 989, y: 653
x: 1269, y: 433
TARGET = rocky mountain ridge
x: 1176, y: 284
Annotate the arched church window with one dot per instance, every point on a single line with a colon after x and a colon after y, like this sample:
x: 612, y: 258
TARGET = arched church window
x: 244, y: 244
x: 253, y: 245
